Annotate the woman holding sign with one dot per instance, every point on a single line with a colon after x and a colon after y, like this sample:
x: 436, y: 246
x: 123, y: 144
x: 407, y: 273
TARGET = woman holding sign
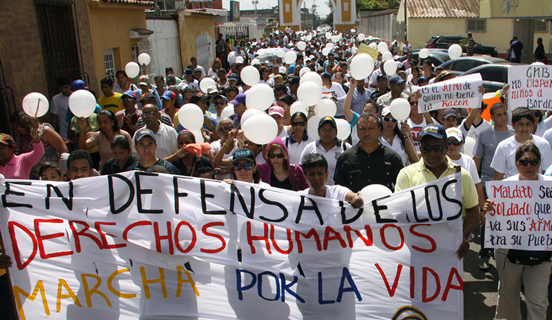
x: 515, y: 266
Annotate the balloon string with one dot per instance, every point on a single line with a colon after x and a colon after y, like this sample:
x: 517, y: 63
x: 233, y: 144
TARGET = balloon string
x: 451, y: 65
x: 37, y: 105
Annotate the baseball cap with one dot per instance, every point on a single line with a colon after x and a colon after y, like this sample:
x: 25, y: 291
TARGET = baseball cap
x: 78, y: 85
x: 385, y: 111
x: 327, y: 119
x: 188, y: 72
x: 233, y: 76
x: 140, y: 134
x: 130, y: 93
x: 147, y: 97
x: 243, y: 154
x: 144, y: 80
x: 433, y: 130
x: 326, y: 75
x: 212, y: 90
x: 223, y: 97
x: 381, y: 76
x: 396, y: 79
x: 276, y: 110
x: 205, y: 97
x: 6, y: 139
x: 449, y: 112
x: 168, y: 95
x: 455, y: 133
x: 197, y: 70
x: 240, y: 98
x: 469, y: 33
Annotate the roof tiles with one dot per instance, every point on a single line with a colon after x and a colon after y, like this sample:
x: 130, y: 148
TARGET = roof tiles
x: 443, y: 8
x: 132, y: 2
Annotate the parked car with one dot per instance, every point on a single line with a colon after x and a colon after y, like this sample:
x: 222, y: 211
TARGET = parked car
x: 464, y: 64
x: 374, y: 39
x: 446, y: 41
x: 494, y: 75
x: 436, y: 57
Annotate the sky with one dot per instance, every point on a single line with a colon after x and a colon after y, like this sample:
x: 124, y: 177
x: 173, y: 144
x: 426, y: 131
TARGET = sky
x: 323, y: 9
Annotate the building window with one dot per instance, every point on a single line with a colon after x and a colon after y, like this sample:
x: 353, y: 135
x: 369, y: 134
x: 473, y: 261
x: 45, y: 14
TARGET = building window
x: 477, y: 25
x: 135, y: 53
x: 541, y: 25
x: 109, y: 64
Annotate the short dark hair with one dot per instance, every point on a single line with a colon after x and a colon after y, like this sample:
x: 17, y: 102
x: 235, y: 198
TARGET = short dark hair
x: 109, y: 114
x: 299, y: 114
x: 78, y: 155
x: 202, y: 170
x: 313, y: 160
x: 287, y: 99
x: 159, y: 77
x: 107, y: 80
x: 188, y: 133
x: 497, y: 106
x: 171, y: 79
x: 528, y: 146
x: 231, y: 88
x: 280, y: 87
x: 367, y: 116
x: 120, y: 141
x: 157, y: 168
x: 121, y: 72
x: 48, y: 165
x: 192, y: 58
x: 522, y: 112
x: 167, y: 69
x: 64, y: 81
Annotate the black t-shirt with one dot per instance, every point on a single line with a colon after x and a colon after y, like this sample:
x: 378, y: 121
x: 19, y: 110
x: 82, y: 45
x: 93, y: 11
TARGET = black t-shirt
x: 286, y: 184
x: 199, y: 162
x: 111, y: 166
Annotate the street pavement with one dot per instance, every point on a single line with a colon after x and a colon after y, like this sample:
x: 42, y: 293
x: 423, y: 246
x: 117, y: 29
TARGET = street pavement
x: 481, y: 286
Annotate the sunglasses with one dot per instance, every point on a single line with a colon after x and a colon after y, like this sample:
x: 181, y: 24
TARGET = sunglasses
x: 298, y: 123
x: 385, y: 119
x: 227, y: 128
x: 149, y: 114
x: 275, y: 155
x: 128, y: 99
x: 455, y: 142
x: 220, y: 103
x: 413, y: 103
x: 247, y: 166
x: 533, y: 162
x: 436, y: 148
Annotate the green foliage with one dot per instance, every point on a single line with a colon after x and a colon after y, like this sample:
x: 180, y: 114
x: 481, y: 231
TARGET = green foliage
x: 376, y: 4
x: 329, y: 18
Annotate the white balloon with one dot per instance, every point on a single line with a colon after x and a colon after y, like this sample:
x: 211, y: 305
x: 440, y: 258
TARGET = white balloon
x: 361, y: 37
x: 250, y: 75
x: 383, y: 47
x: 35, y: 104
x: 328, y: 35
x: 335, y: 38
x: 312, y: 127
x: 311, y: 77
x: 370, y: 38
x: 144, y: 58
x: 191, y: 117
x: 304, y: 70
x: 259, y: 96
x: 410, y: 77
x: 309, y: 93
x: 82, y: 103
x: 455, y: 51
x: 330, y: 46
x: 326, y: 107
x: 249, y: 113
x: 326, y: 51
x: 362, y: 66
x: 280, y: 53
x: 387, y: 56
x: 390, y: 67
x: 206, y: 83
x: 343, y: 129
x: 297, y: 106
x: 400, y: 109
x: 260, y: 129
x: 132, y: 69
x: 198, y: 136
x: 227, y: 111
x: 301, y: 45
x: 373, y: 45
x: 373, y: 192
x: 239, y: 59
x: 282, y: 70
x: 536, y: 63
x: 255, y: 62
x: 424, y: 53
x: 290, y: 57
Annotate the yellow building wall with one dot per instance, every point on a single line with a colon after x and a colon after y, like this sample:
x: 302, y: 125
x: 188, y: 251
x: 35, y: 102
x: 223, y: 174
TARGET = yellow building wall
x: 191, y: 25
x: 109, y: 26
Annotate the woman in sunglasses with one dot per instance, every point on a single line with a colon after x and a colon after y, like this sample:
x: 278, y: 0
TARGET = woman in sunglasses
x: 533, y: 267
x: 264, y: 72
x: 244, y: 168
x: 298, y: 139
x: 398, y: 139
x: 278, y: 172
x: 455, y: 141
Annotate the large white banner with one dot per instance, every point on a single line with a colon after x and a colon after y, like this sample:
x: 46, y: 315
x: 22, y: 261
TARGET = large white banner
x: 147, y: 246
x: 521, y: 216
x: 460, y: 92
x: 530, y: 86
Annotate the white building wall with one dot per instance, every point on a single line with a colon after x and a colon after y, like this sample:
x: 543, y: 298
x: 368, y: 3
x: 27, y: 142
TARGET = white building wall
x: 165, y: 46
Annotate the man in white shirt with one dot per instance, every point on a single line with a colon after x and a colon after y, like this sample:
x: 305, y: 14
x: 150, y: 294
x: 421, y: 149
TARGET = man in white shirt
x: 334, y: 91
x: 193, y: 60
x: 190, y: 81
x: 60, y: 105
x: 504, y: 161
x: 165, y: 136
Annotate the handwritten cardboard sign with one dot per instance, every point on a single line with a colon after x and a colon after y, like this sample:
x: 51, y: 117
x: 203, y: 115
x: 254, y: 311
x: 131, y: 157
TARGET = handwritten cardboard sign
x: 363, y: 48
x: 460, y: 92
x: 530, y: 86
x: 521, y: 217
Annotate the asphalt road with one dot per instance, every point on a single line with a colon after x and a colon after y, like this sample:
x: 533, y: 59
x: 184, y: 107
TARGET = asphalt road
x: 481, y: 286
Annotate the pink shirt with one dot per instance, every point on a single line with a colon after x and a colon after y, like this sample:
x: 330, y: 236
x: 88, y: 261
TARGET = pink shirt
x: 20, y: 166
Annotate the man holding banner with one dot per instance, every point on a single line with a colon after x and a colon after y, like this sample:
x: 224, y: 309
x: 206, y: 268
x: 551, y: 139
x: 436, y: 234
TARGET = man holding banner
x: 436, y: 165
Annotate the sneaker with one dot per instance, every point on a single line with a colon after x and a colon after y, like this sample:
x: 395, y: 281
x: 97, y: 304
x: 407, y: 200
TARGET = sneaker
x: 484, y: 263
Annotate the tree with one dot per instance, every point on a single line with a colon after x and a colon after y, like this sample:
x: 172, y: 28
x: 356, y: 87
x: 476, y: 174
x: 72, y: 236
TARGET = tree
x: 365, y: 5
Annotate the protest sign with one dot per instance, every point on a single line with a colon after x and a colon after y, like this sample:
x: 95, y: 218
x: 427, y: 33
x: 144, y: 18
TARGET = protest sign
x: 146, y: 246
x: 460, y: 92
x: 521, y: 215
x: 363, y: 48
x: 530, y: 86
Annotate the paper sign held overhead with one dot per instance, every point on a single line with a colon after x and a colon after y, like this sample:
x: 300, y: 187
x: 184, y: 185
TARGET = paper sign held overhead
x: 460, y: 92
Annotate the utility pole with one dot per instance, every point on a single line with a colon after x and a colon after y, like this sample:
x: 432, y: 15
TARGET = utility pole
x: 255, y: 2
